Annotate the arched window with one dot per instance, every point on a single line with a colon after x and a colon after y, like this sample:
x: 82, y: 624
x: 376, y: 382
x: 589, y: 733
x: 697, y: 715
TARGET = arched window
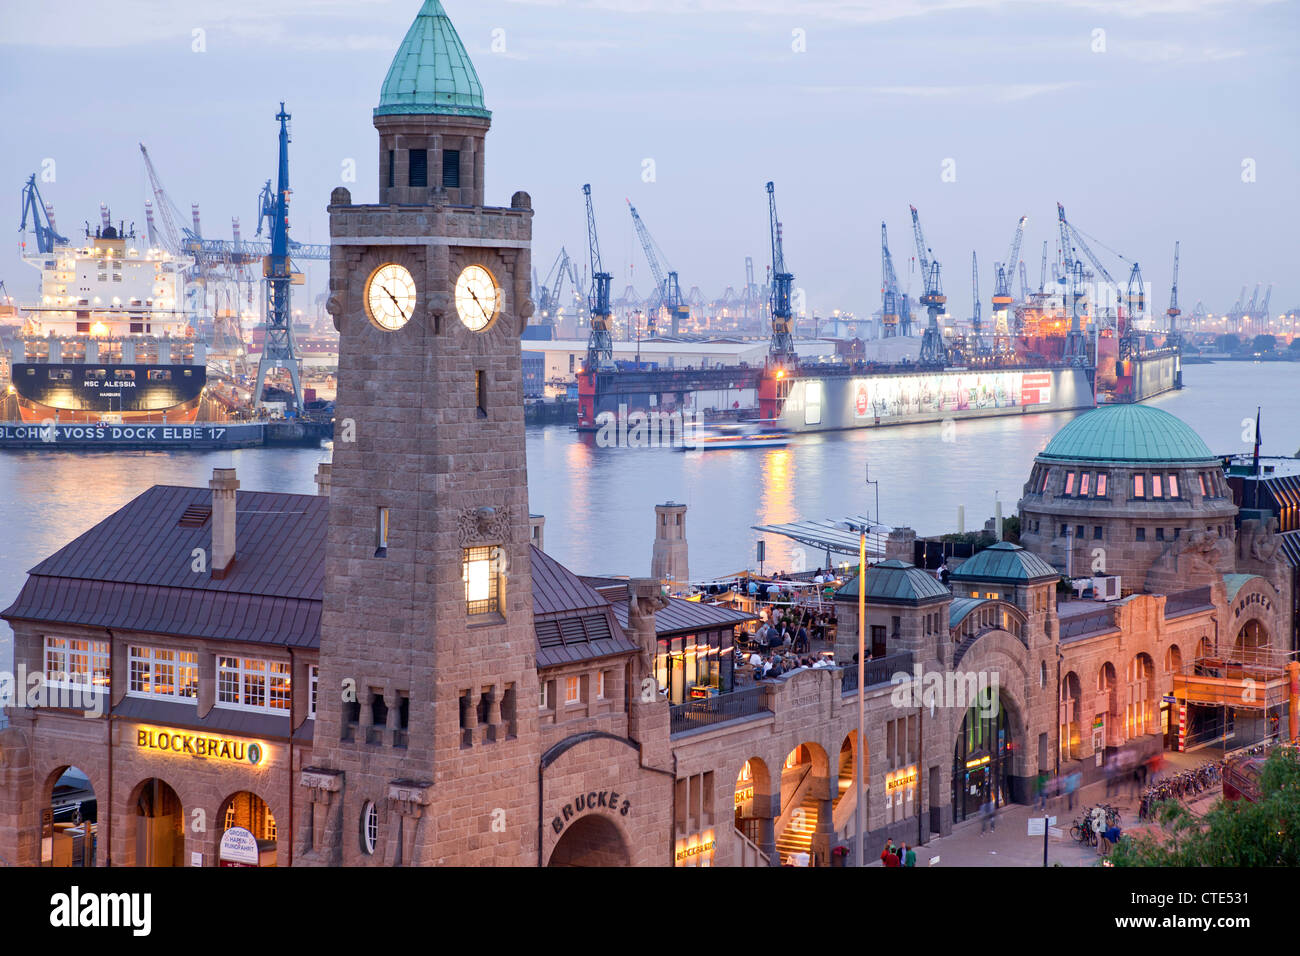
x: 369, y: 828
x: 1139, y: 708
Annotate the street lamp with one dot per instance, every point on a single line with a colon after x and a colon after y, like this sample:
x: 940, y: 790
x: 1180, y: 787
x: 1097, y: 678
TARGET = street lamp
x: 861, y: 529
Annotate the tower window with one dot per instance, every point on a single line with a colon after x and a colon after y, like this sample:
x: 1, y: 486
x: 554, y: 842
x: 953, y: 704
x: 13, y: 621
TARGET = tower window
x: 381, y: 533
x: 1173, y: 486
x: 392, y: 167
x: 419, y: 168
x: 480, y: 392
x: 1069, y: 482
x: 1140, y: 534
x: 1101, y: 484
x: 480, y: 577
x: 1139, y: 488
x: 1155, y: 486
x: 451, y: 168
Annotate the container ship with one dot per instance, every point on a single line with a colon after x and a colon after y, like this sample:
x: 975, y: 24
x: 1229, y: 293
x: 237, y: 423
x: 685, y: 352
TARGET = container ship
x: 110, y: 339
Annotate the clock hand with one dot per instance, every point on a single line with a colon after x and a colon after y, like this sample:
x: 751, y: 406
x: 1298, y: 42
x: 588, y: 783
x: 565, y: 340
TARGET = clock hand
x: 400, y: 311
x: 481, y: 307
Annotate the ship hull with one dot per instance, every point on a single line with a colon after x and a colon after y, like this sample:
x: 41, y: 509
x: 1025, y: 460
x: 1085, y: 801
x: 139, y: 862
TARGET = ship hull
x: 836, y: 402
x: 129, y: 393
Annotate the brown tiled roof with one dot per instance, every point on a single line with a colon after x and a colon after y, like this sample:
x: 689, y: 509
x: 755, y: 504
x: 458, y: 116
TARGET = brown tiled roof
x: 133, y: 571
x: 571, y: 621
x: 681, y: 616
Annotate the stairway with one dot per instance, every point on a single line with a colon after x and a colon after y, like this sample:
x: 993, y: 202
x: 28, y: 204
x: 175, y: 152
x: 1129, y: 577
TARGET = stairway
x: 798, y: 836
x: 846, y: 780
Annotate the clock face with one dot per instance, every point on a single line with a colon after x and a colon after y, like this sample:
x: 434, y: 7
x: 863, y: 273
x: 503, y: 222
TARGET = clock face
x: 390, y: 297
x: 478, y: 299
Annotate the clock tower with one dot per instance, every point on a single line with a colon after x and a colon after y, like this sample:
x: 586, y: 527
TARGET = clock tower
x: 427, y: 689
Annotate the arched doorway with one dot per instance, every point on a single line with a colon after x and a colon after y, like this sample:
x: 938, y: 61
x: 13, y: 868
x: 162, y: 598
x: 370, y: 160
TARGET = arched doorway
x: 593, y: 840
x: 982, y: 760
x: 159, y: 825
x: 69, y: 821
x: 1251, y: 639
x: 248, y: 810
x: 1070, y: 735
x: 1108, y: 705
x: 1139, y: 707
x: 806, y: 805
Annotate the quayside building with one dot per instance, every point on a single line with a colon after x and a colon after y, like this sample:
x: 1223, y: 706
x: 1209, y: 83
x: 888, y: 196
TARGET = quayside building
x: 394, y: 672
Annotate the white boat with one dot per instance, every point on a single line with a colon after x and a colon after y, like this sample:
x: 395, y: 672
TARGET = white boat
x: 754, y: 434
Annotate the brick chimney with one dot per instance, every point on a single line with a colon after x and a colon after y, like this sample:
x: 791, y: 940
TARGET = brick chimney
x: 323, y: 479
x: 223, y: 485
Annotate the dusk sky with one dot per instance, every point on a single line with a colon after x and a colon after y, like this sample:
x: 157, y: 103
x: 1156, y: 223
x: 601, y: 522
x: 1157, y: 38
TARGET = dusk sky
x: 1146, y: 118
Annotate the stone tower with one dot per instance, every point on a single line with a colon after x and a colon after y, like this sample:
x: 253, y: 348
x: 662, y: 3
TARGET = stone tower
x: 428, y: 683
x: 668, y: 561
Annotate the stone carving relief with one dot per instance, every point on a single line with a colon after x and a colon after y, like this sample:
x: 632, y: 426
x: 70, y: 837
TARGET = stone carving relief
x: 484, y: 525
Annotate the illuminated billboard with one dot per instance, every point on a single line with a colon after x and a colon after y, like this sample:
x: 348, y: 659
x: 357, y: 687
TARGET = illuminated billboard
x: 937, y: 392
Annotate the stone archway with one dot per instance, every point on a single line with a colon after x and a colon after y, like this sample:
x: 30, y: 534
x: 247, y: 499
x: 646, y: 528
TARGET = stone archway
x: 69, y: 818
x: 157, y: 827
x: 806, y: 822
x: 592, y: 840
x: 246, y: 809
x: 1253, y: 640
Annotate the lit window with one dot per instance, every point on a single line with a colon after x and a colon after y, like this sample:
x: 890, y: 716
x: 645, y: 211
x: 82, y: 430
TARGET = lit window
x: 69, y: 661
x: 313, y: 689
x: 1083, y: 484
x: 1069, y: 482
x: 600, y: 685
x: 251, y: 684
x: 1201, y: 478
x: 369, y: 828
x: 166, y: 674
x: 1101, y: 484
x: 481, y: 590
x: 573, y: 690
x: 1139, y: 488
x: 1173, y: 486
x: 1155, y: 486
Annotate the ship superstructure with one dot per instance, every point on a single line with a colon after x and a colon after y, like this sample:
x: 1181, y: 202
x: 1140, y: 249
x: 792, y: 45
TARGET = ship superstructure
x: 110, y: 337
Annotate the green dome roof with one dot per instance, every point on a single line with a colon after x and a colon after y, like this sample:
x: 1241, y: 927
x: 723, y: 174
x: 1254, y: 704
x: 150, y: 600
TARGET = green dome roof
x: 896, y: 582
x: 1127, y: 433
x: 431, y: 73
x: 1005, y: 563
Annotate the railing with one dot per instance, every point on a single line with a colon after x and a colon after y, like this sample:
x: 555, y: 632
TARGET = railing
x: 695, y: 714
x: 750, y: 852
x: 878, y: 671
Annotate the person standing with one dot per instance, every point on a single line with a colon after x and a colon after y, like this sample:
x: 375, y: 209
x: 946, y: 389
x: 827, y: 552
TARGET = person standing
x: 1040, y: 791
x: 910, y: 858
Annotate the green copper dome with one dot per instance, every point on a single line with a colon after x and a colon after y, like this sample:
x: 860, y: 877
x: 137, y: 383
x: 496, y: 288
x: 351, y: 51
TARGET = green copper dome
x: 1127, y: 433
x: 431, y: 73
x: 1005, y: 563
x: 895, y: 582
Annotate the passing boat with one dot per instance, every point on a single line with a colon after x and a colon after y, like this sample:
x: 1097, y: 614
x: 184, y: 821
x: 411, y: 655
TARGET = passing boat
x: 753, y: 434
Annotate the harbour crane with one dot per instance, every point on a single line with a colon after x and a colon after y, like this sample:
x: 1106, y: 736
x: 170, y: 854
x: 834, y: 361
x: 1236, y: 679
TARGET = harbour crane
x: 976, y: 345
x: 548, y: 292
x: 1263, y: 306
x: 933, y: 351
x: 782, y: 349
x: 600, y: 343
x: 280, y: 350
x: 1024, y: 283
x: 1130, y: 343
x: 888, y: 287
x: 1076, y: 345
x: 1004, y: 271
x: 668, y: 291
x: 1173, y: 312
x: 1042, y: 272
x: 42, y: 222
x: 1073, y: 242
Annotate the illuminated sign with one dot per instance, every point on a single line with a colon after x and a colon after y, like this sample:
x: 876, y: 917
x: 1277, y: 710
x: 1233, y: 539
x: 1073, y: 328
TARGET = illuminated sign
x: 900, y: 779
x: 978, y: 762
x: 697, y: 853
x: 198, y: 745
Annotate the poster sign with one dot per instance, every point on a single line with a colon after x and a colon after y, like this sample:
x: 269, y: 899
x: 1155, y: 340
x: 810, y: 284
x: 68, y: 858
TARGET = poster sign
x: 238, y: 848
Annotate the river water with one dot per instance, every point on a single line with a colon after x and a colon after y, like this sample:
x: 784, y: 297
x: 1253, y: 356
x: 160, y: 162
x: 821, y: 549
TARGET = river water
x: 599, y: 502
